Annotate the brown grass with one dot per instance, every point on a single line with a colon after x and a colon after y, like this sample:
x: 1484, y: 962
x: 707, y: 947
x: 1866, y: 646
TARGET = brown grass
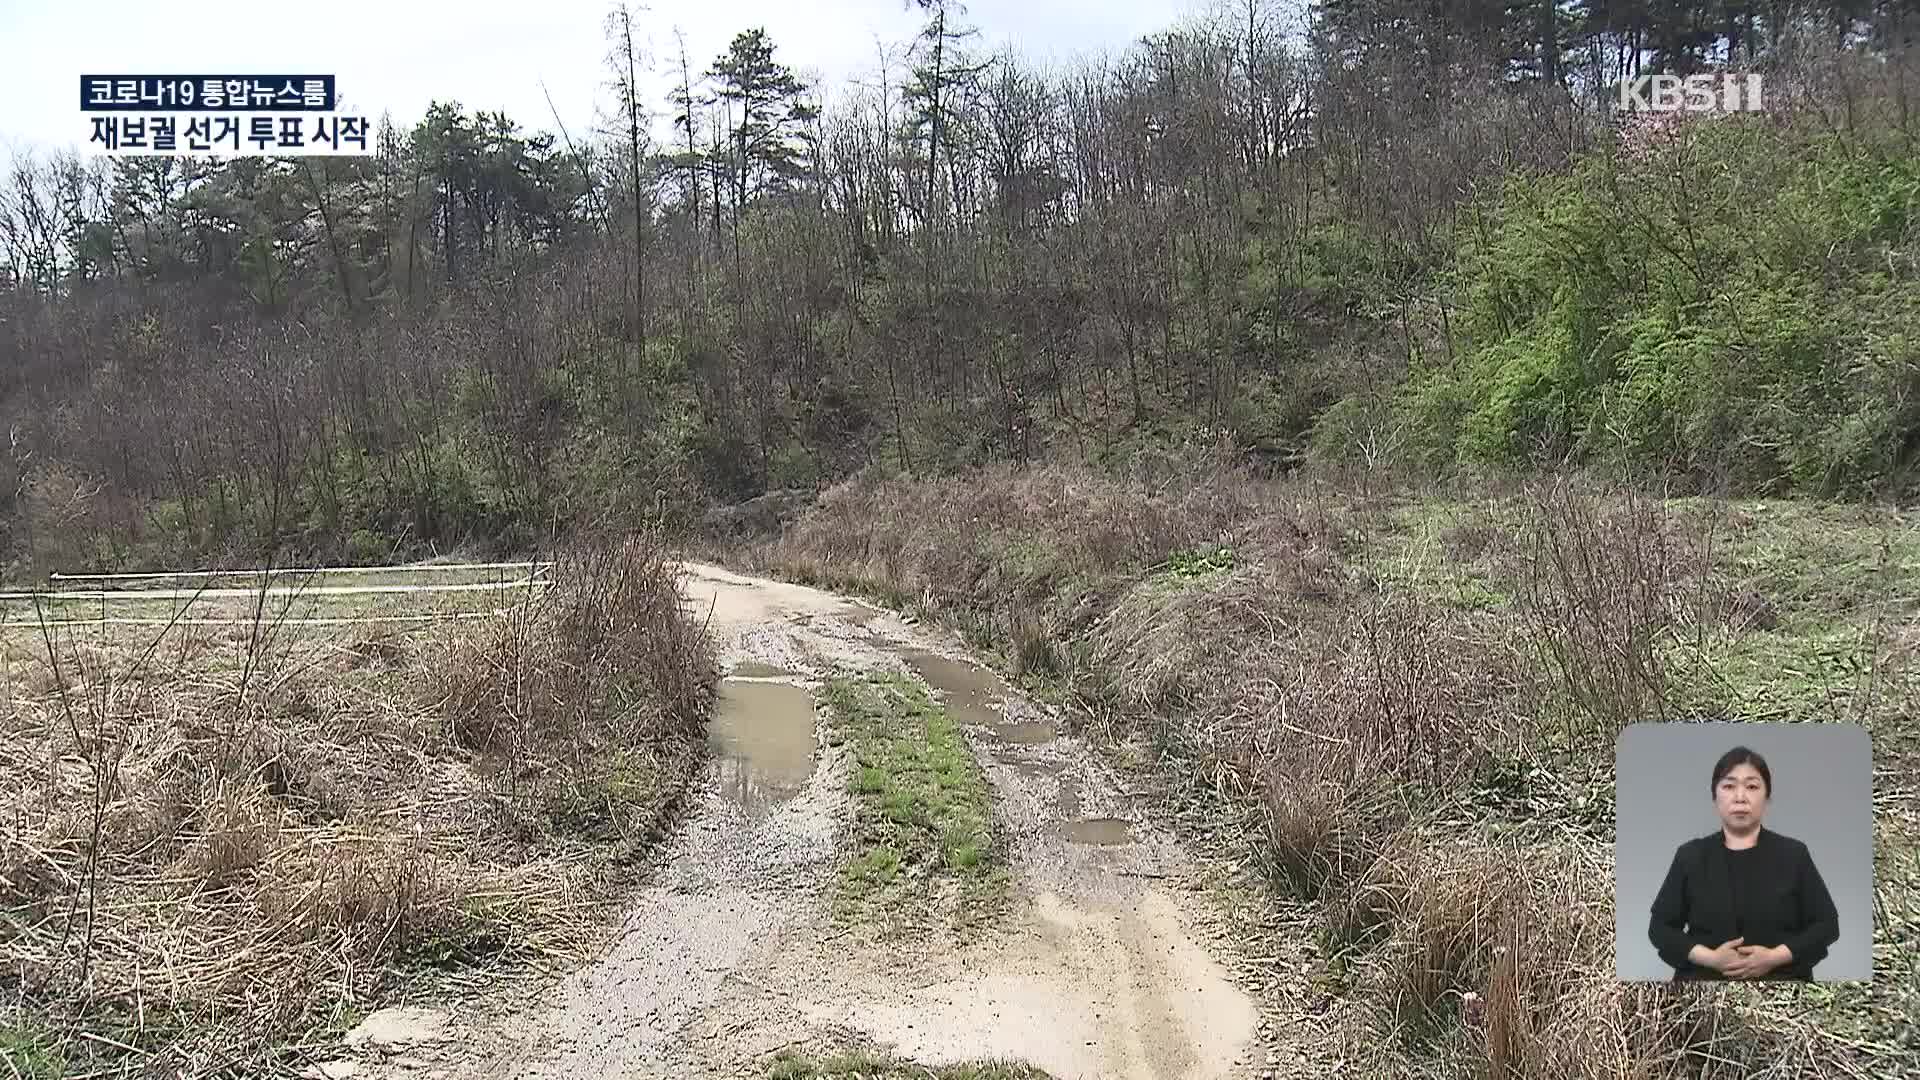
x: 1410, y: 746
x: 1599, y: 596
x: 219, y: 844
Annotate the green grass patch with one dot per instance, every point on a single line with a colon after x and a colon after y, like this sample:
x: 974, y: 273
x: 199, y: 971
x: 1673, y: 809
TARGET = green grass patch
x: 865, y: 1066
x: 31, y: 1054
x: 923, y: 816
x: 1201, y: 562
x: 1408, y: 574
x: 1814, y: 560
x: 1025, y: 558
x: 1815, y: 674
x: 1444, y: 552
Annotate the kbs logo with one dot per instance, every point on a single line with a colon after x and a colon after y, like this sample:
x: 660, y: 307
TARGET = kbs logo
x: 1692, y: 93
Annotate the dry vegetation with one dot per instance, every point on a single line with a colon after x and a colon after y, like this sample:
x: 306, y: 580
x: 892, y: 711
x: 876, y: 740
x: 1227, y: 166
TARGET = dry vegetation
x: 221, y: 844
x: 1418, y: 698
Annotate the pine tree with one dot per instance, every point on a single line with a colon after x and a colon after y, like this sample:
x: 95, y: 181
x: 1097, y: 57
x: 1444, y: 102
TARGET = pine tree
x: 765, y: 94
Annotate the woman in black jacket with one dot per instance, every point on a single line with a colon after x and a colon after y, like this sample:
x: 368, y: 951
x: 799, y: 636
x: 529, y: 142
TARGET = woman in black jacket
x: 1744, y: 902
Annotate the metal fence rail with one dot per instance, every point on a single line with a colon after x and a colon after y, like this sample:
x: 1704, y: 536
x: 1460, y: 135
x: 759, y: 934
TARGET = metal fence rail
x: 536, y: 569
x: 238, y: 594
x: 536, y: 578
x: 116, y: 620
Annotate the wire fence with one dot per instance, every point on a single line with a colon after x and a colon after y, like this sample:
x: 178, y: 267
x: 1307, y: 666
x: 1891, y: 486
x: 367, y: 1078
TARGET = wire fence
x: 533, y: 567
x: 112, y: 594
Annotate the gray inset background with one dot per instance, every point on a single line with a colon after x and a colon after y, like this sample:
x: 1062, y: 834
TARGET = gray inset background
x: 1822, y: 796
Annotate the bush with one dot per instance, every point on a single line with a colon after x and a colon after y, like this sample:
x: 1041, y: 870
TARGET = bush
x: 1734, y: 306
x: 606, y: 660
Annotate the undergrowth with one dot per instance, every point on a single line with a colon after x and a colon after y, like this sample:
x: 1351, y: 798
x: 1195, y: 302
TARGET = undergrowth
x: 221, y: 841
x: 1434, y: 775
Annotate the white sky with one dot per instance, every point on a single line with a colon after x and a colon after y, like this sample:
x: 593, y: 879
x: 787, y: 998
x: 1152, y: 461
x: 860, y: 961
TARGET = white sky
x: 398, y: 55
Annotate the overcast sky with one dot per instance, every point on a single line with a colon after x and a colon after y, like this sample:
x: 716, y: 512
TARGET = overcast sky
x: 398, y: 55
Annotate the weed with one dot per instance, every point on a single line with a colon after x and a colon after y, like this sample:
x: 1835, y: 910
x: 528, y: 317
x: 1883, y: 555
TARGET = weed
x: 31, y: 1054
x: 861, y: 1065
x: 281, y: 823
x: 923, y: 817
x: 1200, y: 563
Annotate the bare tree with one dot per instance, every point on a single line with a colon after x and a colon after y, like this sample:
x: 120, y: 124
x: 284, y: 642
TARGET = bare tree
x: 625, y: 62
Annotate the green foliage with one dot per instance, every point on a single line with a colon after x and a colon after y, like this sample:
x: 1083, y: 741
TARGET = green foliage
x: 1350, y: 270
x: 1201, y: 562
x: 1721, y: 310
x: 766, y: 93
x: 1271, y: 414
x: 450, y: 317
x: 726, y: 462
x: 791, y: 466
x: 922, y: 811
x: 860, y: 1065
x: 364, y: 548
x: 31, y: 1054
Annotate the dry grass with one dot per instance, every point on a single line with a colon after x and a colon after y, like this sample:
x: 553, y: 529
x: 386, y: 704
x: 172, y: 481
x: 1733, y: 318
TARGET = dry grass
x: 1416, y: 698
x: 1598, y: 594
x: 221, y: 844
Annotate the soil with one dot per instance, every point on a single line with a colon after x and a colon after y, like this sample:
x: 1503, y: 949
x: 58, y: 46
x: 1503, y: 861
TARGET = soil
x: 1112, y: 959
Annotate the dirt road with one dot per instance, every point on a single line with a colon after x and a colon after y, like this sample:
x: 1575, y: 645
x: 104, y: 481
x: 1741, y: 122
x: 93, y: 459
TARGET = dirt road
x: 730, y: 952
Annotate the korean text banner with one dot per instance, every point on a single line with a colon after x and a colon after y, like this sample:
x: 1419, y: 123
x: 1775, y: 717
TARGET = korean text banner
x: 207, y: 93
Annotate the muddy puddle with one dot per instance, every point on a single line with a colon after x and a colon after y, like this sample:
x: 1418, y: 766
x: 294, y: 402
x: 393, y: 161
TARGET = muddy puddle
x: 1068, y: 802
x: 1023, y: 732
x: 1102, y: 831
x: 970, y: 694
x: 762, y: 737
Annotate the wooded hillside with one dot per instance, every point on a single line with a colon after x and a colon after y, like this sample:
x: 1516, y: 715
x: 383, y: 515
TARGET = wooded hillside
x: 1400, y: 235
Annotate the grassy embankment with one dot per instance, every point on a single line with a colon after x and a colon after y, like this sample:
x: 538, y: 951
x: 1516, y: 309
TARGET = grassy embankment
x: 1414, y: 701
x: 222, y: 845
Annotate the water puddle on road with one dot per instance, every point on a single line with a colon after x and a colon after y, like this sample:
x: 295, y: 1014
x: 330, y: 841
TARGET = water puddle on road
x: 762, y: 736
x: 1069, y: 800
x: 1102, y: 831
x: 1024, y: 732
x: 969, y: 693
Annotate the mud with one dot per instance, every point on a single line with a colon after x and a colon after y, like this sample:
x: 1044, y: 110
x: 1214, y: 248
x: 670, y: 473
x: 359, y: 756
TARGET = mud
x: 1025, y: 733
x: 1080, y: 992
x: 1103, y: 832
x: 1107, y: 964
x: 399, y: 1027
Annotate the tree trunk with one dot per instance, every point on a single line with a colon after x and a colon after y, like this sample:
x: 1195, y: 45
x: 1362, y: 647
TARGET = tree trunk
x: 333, y: 237
x: 639, y: 202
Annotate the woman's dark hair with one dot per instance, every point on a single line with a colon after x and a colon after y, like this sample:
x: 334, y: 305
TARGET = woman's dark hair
x: 1740, y: 755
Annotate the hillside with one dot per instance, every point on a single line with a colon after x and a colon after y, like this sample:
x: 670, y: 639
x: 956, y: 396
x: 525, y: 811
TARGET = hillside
x: 451, y: 341
x: 1286, y: 454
